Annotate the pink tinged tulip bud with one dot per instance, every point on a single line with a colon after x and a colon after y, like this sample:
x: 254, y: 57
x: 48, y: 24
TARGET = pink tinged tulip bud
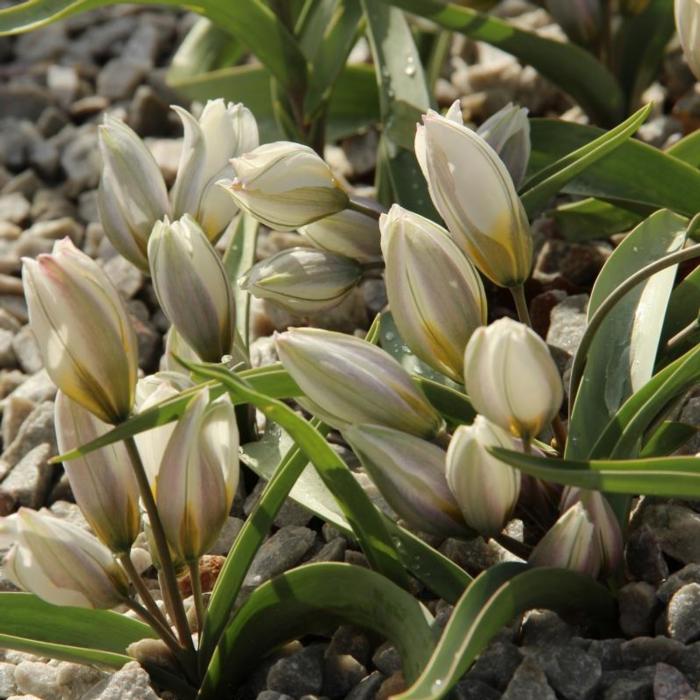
x: 192, y: 287
x: 474, y: 193
x: 436, y: 296
x: 60, y: 562
x: 83, y: 331
x: 582, y: 20
x: 285, y: 185
x: 486, y: 489
x: 347, y: 233
x: 410, y: 474
x: 303, y: 280
x: 223, y: 131
x: 102, y: 482
x: 198, y: 476
x: 347, y: 380
x: 511, y: 378
x: 687, y: 14
x: 570, y: 544
x: 132, y: 194
x: 607, y: 528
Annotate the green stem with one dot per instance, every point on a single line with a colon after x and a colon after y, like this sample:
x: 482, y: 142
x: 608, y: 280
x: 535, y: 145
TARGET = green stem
x: 196, y: 582
x: 365, y: 209
x: 518, y: 294
x: 162, y: 631
x: 161, y: 544
x: 682, y: 336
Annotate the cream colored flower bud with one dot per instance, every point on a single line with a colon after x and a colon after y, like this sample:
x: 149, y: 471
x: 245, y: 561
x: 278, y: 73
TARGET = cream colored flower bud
x: 436, y: 296
x: 348, y: 233
x: 508, y: 133
x: 83, y: 331
x: 570, y: 544
x: 132, y: 194
x: 511, y: 378
x: 223, y: 131
x: 410, y: 474
x: 285, y: 185
x: 347, y: 381
x: 486, y: 489
x: 198, y: 476
x: 303, y: 279
x: 192, y: 287
x: 687, y: 14
x: 474, y: 193
x: 60, y: 562
x: 102, y: 482
x: 582, y: 20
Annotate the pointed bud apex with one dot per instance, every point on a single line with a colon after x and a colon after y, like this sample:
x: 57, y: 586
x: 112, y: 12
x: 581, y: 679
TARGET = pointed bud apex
x: 83, y: 331
x: 303, y: 280
x: 687, y: 14
x: 410, y: 474
x: 192, y: 287
x: 436, y: 307
x: 347, y: 233
x: 580, y: 19
x: 285, y: 185
x: 347, y: 381
x: 511, y: 378
x: 102, y: 482
x: 474, y: 193
x: 60, y: 562
x: 486, y: 489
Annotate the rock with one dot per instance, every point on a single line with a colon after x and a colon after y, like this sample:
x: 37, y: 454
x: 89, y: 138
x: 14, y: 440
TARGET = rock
x: 497, y: 664
x: 683, y: 614
x: 607, y: 651
x: 51, y: 121
x: 25, y: 183
x: 671, y: 684
x: 638, y: 609
x: 37, y: 428
x: 298, y: 674
x: 14, y: 208
x: 469, y: 689
x: 577, y: 263
x: 81, y: 161
x: 29, y: 481
x: 331, y: 551
x: 647, y: 651
x: 49, y: 205
x: 76, y: 679
x: 273, y: 695
x: 657, y: 131
x: 38, y: 679
x: 37, y: 388
x: 42, y: 44
x: 148, y: 113
x: 387, y: 659
x: 571, y: 672
x: 690, y: 414
x: 131, y: 682
x: 8, y: 231
x: 8, y: 359
x: 149, y: 343
x: 145, y: 43
x: 291, y: 513
x: 166, y: 153
x: 687, y: 660
x: 367, y: 689
x: 529, y: 683
x: 120, y: 77
x: 7, y: 680
x: 10, y: 285
x: 127, y: 278
x: 643, y: 556
x: 10, y: 380
x: 27, y: 351
x: 677, y: 529
x: 14, y: 414
x: 226, y: 537
x: 544, y: 628
x: 628, y: 685
x: 70, y: 512
x: 688, y: 574
x: 350, y: 640
x: 87, y: 106
x: 24, y: 100
x: 56, y: 229
x: 341, y: 673
x: 14, y: 305
x: 567, y: 323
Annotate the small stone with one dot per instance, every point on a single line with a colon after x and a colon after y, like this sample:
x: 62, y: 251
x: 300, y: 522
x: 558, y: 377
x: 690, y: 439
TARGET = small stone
x: 341, y: 673
x: 628, y: 685
x: 646, y: 651
x: 25, y: 183
x: 29, y: 481
x: 677, y: 529
x: 148, y: 113
x: 688, y: 574
x: 64, y: 83
x: 24, y: 100
x: 49, y: 205
x: 8, y: 686
x: 70, y: 512
x: 9, y: 231
x: 51, y: 121
x: 14, y: 305
x: 331, y: 551
x: 227, y: 536
x: 42, y: 44
x: 683, y: 614
x: 37, y: 428
x: 577, y: 263
x: 671, y: 684
x: 497, y: 664
x: 350, y: 640
x: 120, y: 77
x: 273, y: 695
x: 8, y: 359
x: 27, y: 350
x: 38, y: 679
x: 567, y: 323
x: 127, y: 278
x: 131, y: 682
x: 529, y: 683
x: 81, y: 161
x: 14, y: 414
x: 544, y: 628
x: 149, y: 343
x: 76, y: 679
x: 367, y: 689
x: 14, y: 208
x: 638, y: 608
x: 387, y: 659
x: 643, y: 556
x: 56, y: 229
x: 37, y: 388
x: 88, y: 105
x: 291, y: 512
x: 298, y: 674
x: 571, y: 672
x: 11, y: 285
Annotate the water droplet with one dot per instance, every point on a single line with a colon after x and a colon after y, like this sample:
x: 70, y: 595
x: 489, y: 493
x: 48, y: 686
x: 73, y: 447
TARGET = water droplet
x: 437, y: 686
x: 410, y: 69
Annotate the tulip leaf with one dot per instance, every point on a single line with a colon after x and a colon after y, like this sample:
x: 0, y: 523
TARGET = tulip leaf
x: 544, y: 184
x: 687, y: 149
x: 453, y: 405
x: 683, y: 306
x: 667, y: 438
x: 592, y: 219
x: 495, y: 598
x: 314, y: 599
x: 621, y: 357
x: 671, y: 477
x: 570, y: 67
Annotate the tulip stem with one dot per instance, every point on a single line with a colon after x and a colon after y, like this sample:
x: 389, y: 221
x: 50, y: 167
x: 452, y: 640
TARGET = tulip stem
x: 196, y: 580
x: 365, y: 209
x: 518, y: 294
x: 162, y: 630
x: 170, y: 593
x: 520, y: 549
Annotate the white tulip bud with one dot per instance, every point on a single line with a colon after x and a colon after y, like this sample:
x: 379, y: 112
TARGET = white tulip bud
x: 198, y: 476
x: 223, y: 131
x: 474, y: 193
x: 348, y: 233
x: 60, y: 562
x: 687, y: 14
x: 83, y: 331
x: 285, y: 185
x: 103, y: 482
x: 436, y: 296
x: 486, y: 489
x: 132, y: 194
x: 303, y: 280
x: 192, y: 287
x: 511, y: 378
x: 410, y: 474
x: 347, y: 380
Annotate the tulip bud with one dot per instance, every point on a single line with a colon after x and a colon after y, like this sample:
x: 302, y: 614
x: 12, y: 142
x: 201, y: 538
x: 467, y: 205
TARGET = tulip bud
x: 132, y: 194
x: 474, y: 193
x: 607, y: 528
x: 580, y: 19
x: 687, y: 14
x: 436, y: 306
x: 348, y: 233
x: 570, y: 544
x: 198, y: 476
x: 486, y: 489
x: 60, y: 562
x: 192, y: 287
x: 508, y: 133
x: 511, y: 378
x: 102, y: 482
x: 83, y: 331
x: 285, y: 185
x: 410, y: 474
x: 303, y: 280
x: 176, y: 347
x: 223, y: 131
x: 347, y: 381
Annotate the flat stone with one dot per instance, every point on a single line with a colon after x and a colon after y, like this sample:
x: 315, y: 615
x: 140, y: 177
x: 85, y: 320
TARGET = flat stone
x: 473, y: 689
x: 331, y: 551
x: 232, y: 526
x: 683, y: 614
x: 638, y: 609
x: 8, y: 359
x: 629, y: 685
x: 497, y: 664
x: 544, y: 628
x: 14, y: 305
x: 367, y: 688
x: 42, y: 44
x: 51, y: 121
x: 9, y: 284
x: 567, y: 323
x: 350, y: 640
x: 120, y: 77
x: 37, y: 428
x: 49, y: 205
x: 677, y: 529
x: 131, y: 682
x: 571, y: 672
x: 127, y: 278
x: 647, y: 651
x: 643, y: 556
x: 387, y: 659
x: 391, y: 686
x: 88, y: 105
x: 15, y: 412
x: 8, y: 686
x: 577, y: 263
x: 298, y: 674
x: 29, y: 481
x: 38, y: 679
x: 688, y: 574
x: 273, y: 695
x: 81, y: 161
x: 56, y: 229
x: 25, y: 183
x: 64, y: 83
x: 37, y: 388
x: 148, y: 113
x: 24, y: 100
x: 14, y: 208
x: 529, y: 683
x: 27, y: 350
x: 341, y: 673
x: 671, y: 684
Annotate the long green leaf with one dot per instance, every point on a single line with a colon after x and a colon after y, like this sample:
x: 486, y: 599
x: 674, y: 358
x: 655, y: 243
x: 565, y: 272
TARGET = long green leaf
x: 683, y: 306
x: 592, y: 219
x: 687, y: 149
x: 313, y: 599
x: 667, y: 438
x: 495, y: 598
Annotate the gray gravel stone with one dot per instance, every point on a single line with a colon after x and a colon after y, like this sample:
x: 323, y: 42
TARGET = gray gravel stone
x: 148, y: 113
x: 350, y: 640
x: 629, y: 685
x: 8, y: 359
x: 120, y: 77
x: 643, y: 556
x: 38, y: 428
x: 529, y: 683
x: 688, y: 574
x: 127, y: 278
x: 544, y: 628
x: 331, y: 551
x: 683, y: 614
x: 24, y: 100
x: 38, y: 679
x: 671, y: 684
x: 27, y: 351
x: 57, y: 229
x: 638, y: 608
x: 472, y: 689
x: 567, y: 323
x: 647, y: 651
x: 131, y: 682
x: 571, y: 672
x: 677, y: 529
x: 387, y: 659
x: 367, y: 688
x: 273, y: 695
x: 226, y: 537
x: 29, y: 481
x: 298, y: 674
x: 37, y: 388
x: 14, y: 207
x: 497, y: 664
x: 341, y: 673
x: 8, y: 686
x: 81, y: 161
x: 26, y: 183
x: 14, y: 414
